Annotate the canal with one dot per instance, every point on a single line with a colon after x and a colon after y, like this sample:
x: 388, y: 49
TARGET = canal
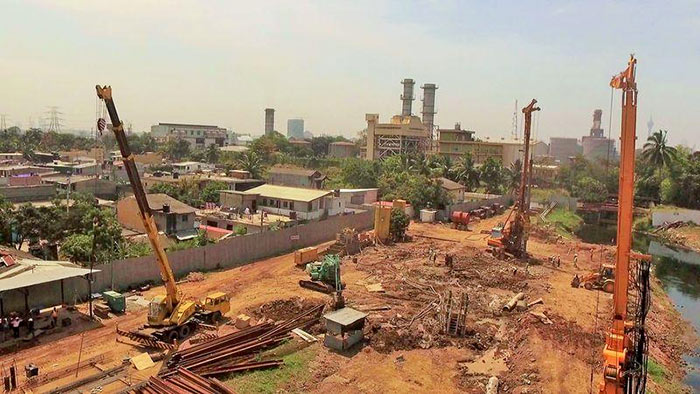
x: 678, y: 269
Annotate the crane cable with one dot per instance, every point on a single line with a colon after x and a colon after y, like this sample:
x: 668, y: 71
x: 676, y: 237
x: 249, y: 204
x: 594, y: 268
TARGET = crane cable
x: 597, y: 298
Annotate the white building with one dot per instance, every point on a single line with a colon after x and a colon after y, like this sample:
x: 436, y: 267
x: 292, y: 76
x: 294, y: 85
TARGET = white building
x: 189, y: 167
x: 199, y: 136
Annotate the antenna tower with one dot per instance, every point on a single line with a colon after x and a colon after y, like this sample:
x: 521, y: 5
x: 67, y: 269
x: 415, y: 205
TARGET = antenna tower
x: 3, y: 122
x: 515, y: 121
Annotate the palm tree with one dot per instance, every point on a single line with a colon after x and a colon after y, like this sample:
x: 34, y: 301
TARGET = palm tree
x: 514, y: 173
x: 465, y: 172
x: 657, y: 152
x: 251, y: 162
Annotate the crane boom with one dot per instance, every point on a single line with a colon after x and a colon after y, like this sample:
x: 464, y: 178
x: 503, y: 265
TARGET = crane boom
x: 166, y: 272
x: 617, y: 354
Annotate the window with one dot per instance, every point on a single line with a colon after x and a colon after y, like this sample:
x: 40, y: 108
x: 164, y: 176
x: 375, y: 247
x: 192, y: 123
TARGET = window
x: 229, y: 227
x: 284, y: 204
x: 310, y: 208
x: 184, y: 218
x: 264, y: 202
x: 212, y: 223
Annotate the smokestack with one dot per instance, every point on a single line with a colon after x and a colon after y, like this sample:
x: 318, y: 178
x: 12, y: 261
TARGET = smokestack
x: 429, y: 107
x: 596, y: 130
x: 269, y: 120
x: 407, y: 96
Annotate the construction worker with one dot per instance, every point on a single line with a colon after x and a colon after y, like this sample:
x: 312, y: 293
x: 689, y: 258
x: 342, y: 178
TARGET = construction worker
x: 576, y: 282
x: 591, y: 255
x: 54, y: 317
x: 15, y: 326
x: 575, y: 260
x: 558, y: 260
x: 30, y: 324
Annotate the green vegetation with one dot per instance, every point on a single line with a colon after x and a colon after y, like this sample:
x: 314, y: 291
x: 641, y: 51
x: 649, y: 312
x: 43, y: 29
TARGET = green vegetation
x: 398, y: 223
x: 294, y: 370
x: 566, y: 222
x: 200, y: 240
x: 656, y: 371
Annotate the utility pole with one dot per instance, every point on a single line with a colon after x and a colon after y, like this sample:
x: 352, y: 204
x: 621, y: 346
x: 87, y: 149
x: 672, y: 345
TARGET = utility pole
x: 3, y: 122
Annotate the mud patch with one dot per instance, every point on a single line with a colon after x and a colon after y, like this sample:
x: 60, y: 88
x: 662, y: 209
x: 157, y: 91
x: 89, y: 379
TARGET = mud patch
x: 283, y: 309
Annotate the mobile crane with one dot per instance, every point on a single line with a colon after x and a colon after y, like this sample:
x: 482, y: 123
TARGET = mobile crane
x: 625, y: 351
x: 511, y: 236
x: 170, y: 316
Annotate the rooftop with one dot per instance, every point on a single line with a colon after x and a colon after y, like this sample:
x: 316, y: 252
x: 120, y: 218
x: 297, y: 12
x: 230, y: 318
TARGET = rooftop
x: 29, y: 272
x: 156, y: 202
x: 342, y: 143
x: 288, y: 193
x: 201, y: 126
x: 292, y: 170
x: 450, y: 184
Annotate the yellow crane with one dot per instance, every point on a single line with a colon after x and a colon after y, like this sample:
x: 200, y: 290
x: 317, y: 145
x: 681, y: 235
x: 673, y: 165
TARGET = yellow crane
x: 170, y: 317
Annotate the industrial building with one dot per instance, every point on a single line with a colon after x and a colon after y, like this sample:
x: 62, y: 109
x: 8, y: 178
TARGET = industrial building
x: 456, y: 142
x: 199, y: 136
x: 342, y: 149
x: 562, y: 148
x: 405, y: 133
x: 295, y: 128
x: 595, y: 145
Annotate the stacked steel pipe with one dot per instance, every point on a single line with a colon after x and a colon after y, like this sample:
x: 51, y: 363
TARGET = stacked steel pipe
x: 235, y: 352
x: 182, y: 381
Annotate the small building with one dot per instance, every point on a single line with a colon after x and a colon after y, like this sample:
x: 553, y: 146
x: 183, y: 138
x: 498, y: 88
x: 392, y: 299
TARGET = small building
x: 234, y: 149
x: 301, y: 144
x: 358, y: 196
x: 173, y: 217
x: 75, y: 168
x: 544, y: 175
x: 191, y: 167
x: 12, y: 157
x: 199, y: 136
x: 97, y: 154
x: 342, y: 149
x: 562, y: 148
x: 94, y: 185
x: 14, y: 170
x: 453, y: 189
x: 455, y: 143
x: 148, y: 158
x: 294, y: 202
x: 24, y: 180
x: 232, y: 182
x: 296, y: 177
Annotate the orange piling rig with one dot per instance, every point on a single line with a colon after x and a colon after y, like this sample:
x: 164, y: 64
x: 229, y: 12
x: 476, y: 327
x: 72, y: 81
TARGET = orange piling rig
x: 621, y: 374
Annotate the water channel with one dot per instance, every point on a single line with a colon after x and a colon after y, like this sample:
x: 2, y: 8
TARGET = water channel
x: 678, y: 269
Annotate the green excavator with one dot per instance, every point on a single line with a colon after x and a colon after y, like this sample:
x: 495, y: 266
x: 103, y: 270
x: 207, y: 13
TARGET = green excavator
x: 325, y: 278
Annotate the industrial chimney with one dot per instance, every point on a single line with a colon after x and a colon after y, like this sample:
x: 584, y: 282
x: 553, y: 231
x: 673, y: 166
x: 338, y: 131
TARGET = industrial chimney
x: 429, y: 107
x: 269, y: 120
x: 596, y: 130
x: 407, y: 96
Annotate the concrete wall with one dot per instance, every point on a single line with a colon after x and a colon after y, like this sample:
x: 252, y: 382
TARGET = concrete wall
x: 659, y: 217
x: 229, y: 253
x: 29, y: 193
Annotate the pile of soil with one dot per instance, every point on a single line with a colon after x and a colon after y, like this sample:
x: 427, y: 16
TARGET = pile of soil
x: 283, y: 309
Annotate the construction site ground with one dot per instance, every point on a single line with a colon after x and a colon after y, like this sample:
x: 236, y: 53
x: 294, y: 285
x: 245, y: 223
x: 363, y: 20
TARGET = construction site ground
x: 551, y: 347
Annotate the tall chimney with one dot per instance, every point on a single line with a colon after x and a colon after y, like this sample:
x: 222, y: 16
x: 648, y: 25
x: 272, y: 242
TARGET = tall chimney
x: 407, y: 96
x: 269, y: 120
x: 596, y: 130
x: 429, y: 107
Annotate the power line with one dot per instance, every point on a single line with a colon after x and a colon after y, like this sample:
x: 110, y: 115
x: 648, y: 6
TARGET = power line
x: 54, y: 120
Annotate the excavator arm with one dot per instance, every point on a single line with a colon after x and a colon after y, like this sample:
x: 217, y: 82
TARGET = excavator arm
x: 166, y: 272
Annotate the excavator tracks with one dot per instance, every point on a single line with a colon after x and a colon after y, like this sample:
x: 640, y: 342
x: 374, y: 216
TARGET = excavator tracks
x: 316, y: 286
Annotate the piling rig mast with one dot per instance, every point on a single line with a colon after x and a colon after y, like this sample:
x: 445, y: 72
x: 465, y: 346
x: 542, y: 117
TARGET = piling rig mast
x: 625, y: 351
x: 512, y: 235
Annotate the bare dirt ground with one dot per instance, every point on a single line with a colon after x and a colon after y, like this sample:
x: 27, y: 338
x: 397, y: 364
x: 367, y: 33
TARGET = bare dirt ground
x: 528, y: 352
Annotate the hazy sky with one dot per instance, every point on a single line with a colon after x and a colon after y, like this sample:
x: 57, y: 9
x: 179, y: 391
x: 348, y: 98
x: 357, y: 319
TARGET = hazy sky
x: 330, y: 62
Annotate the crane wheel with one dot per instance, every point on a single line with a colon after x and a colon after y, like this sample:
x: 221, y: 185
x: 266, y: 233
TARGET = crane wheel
x: 588, y: 286
x: 184, y: 331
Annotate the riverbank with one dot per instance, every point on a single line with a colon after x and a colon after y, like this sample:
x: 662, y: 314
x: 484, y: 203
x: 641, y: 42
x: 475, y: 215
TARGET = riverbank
x: 673, y: 329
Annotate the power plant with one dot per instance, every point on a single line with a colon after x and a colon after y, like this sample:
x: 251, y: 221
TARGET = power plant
x: 407, y: 97
x: 429, y: 108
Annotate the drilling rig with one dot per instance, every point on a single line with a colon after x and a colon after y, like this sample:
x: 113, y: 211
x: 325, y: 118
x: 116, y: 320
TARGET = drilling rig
x: 511, y: 236
x: 625, y: 351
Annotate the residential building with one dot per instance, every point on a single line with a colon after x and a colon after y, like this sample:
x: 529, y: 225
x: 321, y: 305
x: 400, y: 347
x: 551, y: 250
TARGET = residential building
x: 454, y: 190
x: 296, y: 177
x: 358, y: 196
x: 94, y: 185
x: 302, y: 144
x: 239, y: 180
x: 12, y: 157
x: 539, y: 148
x: 173, y: 217
x: 562, y: 148
x: 20, y: 194
x: 149, y: 158
x: 455, y: 143
x: 199, y: 136
x: 342, y: 149
x: 295, y: 128
x: 234, y: 149
x: 294, y: 202
x: 116, y: 171
x: 403, y: 134
x: 190, y: 167
x: 75, y: 168
x: 97, y: 154
x: 13, y: 170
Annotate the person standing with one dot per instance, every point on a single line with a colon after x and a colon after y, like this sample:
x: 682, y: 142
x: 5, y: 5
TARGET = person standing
x: 54, y: 317
x: 15, y: 326
x: 575, y: 260
x: 30, y: 325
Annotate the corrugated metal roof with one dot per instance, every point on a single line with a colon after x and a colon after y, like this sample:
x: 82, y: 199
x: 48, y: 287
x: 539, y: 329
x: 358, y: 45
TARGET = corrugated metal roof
x: 345, y: 316
x: 288, y: 193
x: 292, y: 170
x: 30, y: 272
x: 450, y: 184
x: 156, y: 201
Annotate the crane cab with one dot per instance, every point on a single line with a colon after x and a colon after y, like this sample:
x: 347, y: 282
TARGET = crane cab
x: 157, y: 311
x: 218, y: 304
